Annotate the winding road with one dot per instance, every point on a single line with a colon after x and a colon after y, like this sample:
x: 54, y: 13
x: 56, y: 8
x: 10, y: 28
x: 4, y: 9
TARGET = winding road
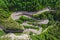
x: 17, y: 15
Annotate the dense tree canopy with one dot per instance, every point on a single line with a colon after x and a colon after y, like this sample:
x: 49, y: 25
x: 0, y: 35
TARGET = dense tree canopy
x: 27, y: 5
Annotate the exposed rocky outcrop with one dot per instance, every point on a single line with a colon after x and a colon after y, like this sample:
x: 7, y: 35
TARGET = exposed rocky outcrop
x: 12, y: 36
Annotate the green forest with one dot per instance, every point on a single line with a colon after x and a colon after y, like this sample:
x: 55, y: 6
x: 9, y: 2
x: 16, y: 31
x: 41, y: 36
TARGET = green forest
x: 51, y: 31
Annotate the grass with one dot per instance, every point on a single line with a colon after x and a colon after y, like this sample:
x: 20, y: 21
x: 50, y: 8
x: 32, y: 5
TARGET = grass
x: 2, y: 33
